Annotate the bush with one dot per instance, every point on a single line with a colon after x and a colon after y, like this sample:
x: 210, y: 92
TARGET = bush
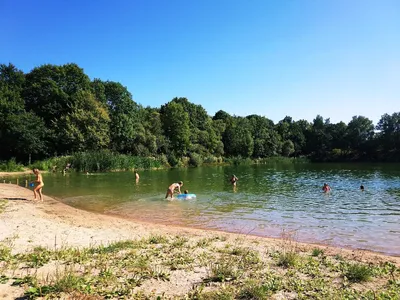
x: 11, y: 166
x: 195, y: 160
x: 172, y: 160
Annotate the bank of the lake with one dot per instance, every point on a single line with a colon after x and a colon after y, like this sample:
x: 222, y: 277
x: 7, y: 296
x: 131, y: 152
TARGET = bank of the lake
x: 268, y: 200
x: 49, y: 248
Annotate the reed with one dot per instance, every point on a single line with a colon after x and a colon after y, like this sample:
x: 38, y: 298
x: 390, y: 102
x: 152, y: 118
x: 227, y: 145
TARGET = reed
x: 11, y: 166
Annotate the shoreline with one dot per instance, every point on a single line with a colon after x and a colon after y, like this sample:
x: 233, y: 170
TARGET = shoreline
x: 53, y: 207
x: 10, y: 174
x: 54, y: 210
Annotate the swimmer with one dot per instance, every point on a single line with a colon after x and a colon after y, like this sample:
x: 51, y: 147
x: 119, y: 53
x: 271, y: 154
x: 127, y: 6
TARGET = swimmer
x: 326, y: 188
x: 172, y: 187
x: 186, y: 192
x: 362, y: 188
x: 137, y: 176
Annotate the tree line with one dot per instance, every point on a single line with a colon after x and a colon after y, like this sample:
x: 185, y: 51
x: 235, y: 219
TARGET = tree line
x: 58, y: 110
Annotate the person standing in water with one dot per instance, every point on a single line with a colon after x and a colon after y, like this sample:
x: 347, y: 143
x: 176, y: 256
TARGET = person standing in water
x: 137, y: 176
x: 233, y: 180
x: 326, y: 188
x: 172, y: 187
x: 40, y: 184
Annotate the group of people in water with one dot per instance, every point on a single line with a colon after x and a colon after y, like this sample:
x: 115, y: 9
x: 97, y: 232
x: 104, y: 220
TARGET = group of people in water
x: 177, y: 186
x: 37, y: 191
x: 326, y: 188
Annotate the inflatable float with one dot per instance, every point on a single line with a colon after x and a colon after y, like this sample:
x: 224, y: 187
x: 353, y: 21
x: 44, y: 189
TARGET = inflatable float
x: 185, y: 196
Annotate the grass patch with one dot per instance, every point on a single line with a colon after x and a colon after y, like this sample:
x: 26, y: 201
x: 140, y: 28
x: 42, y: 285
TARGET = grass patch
x: 3, y: 204
x: 358, y: 273
x: 254, y: 290
x: 287, y: 259
x: 222, y: 271
x: 137, y: 269
x: 157, y: 239
x: 317, y: 252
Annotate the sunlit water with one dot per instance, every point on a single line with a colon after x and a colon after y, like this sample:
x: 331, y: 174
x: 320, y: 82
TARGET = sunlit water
x: 268, y: 200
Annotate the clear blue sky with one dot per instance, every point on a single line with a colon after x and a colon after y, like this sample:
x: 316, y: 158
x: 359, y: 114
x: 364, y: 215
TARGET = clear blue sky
x: 337, y: 58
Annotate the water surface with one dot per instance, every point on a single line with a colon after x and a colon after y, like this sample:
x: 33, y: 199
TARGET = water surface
x: 268, y: 200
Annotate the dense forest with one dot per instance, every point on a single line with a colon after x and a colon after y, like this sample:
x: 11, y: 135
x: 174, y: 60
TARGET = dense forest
x: 57, y: 110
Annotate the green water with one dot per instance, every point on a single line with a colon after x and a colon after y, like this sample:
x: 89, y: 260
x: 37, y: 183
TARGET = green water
x: 268, y: 200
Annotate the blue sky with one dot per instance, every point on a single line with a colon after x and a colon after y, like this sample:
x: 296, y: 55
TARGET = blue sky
x: 336, y: 58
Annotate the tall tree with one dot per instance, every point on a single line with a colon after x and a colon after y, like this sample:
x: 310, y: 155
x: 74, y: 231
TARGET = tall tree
x: 125, y: 123
x: 176, y: 126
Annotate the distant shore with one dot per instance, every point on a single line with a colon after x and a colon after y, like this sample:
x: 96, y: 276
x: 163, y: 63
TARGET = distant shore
x: 7, y: 174
x: 27, y: 224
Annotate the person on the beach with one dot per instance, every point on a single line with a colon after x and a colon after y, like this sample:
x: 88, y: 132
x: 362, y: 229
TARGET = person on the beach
x: 326, y: 188
x: 233, y: 180
x: 40, y: 184
x: 172, y: 187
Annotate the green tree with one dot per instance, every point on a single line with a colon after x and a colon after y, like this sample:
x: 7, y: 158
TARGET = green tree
x: 360, y: 130
x: 125, y: 127
x: 238, y: 139
x: 61, y: 95
x: 21, y: 133
x: 389, y: 136
x: 86, y: 126
x: 176, y: 127
x: 287, y: 148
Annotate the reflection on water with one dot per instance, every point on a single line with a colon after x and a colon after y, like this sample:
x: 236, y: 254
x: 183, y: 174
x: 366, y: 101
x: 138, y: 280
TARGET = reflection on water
x: 267, y: 200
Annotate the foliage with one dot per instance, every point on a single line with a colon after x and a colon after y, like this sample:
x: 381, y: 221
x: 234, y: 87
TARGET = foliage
x: 57, y: 110
x: 358, y: 272
x: 11, y: 166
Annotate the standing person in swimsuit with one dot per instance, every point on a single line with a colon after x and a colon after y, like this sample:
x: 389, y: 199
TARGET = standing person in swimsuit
x: 172, y: 187
x: 40, y: 184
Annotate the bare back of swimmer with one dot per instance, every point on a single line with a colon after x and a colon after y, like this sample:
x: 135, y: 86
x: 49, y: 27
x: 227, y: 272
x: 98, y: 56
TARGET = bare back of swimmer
x: 172, y: 187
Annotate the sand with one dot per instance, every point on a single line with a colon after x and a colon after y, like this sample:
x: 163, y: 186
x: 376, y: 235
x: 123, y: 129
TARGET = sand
x: 27, y: 224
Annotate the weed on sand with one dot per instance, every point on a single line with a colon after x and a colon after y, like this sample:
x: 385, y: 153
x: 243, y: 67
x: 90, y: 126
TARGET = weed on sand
x: 207, y: 267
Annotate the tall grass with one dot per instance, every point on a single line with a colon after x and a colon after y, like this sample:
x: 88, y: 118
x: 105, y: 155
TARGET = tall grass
x: 105, y: 160
x: 100, y: 161
x: 11, y: 166
x: 56, y: 163
x: 281, y: 159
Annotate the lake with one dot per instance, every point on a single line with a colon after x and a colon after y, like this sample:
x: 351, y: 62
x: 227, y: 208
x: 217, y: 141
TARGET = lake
x: 269, y: 200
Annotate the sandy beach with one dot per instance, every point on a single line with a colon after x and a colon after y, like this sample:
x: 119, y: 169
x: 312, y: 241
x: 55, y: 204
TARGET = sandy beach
x: 26, y: 224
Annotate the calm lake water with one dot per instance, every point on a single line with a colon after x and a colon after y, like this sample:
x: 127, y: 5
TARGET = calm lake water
x: 269, y: 200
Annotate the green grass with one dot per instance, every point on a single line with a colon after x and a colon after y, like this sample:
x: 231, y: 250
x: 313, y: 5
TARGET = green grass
x: 11, y: 166
x: 317, y: 252
x: 142, y: 268
x: 288, y: 259
x: 3, y: 205
x: 358, y: 273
